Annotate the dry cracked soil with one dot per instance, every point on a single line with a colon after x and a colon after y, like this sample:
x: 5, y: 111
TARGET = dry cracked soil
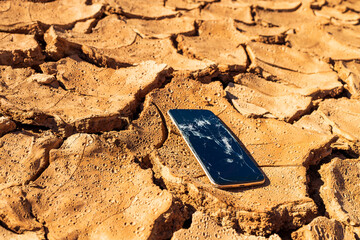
x: 87, y: 150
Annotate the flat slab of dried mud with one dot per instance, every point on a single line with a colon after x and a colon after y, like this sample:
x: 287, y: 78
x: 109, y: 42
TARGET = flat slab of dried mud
x: 87, y: 150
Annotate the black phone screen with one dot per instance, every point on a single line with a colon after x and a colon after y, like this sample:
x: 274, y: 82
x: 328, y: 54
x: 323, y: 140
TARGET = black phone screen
x: 224, y: 161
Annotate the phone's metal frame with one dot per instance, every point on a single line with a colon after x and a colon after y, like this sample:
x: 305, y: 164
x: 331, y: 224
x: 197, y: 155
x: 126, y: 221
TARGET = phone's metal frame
x: 204, y: 168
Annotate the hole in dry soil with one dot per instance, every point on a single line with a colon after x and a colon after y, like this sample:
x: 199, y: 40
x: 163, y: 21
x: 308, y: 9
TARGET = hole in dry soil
x: 187, y: 223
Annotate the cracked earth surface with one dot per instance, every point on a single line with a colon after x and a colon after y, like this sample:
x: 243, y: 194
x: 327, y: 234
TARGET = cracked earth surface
x: 87, y: 150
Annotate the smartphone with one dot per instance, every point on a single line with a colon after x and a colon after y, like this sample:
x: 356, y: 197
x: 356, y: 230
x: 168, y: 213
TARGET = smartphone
x: 223, y: 160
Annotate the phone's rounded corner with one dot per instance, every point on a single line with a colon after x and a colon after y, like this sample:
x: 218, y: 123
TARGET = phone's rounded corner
x: 262, y: 181
x: 169, y: 111
x: 222, y: 186
x: 217, y: 186
x: 212, y: 180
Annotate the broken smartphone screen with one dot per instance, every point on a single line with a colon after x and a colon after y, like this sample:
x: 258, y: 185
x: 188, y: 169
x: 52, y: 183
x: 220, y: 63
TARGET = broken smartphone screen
x: 221, y: 156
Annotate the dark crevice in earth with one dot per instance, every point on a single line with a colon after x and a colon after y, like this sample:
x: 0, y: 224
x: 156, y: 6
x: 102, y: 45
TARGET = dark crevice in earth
x: 101, y: 14
x: 144, y: 162
x: 41, y: 41
x: 205, y: 4
x: 46, y: 231
x: 103, y: 61
x: 197, y: 26
x: 225, y: 78
x: 343, y: 93
x: 159, y: 182
x: 46, y: 234
x: 349, y: 9
x: 253, y: 13
x: 219, y: 79
x: 276, y: 40
x: 314, y: 184
x: 188, y: 222
x: 140, y: 107
x: 175, y: 43
x: 95, y: 22
x: 2, y: 224
x: 357, y: 237
x: 348, y: 154
x: 285, y: 234
x: 135, y: 16
x: 61, y: 84
x: 30, y: 127
x: 168, y: 79
x: 248, y: 58
x: 260, y: 73
x: 281, y: 10
x: 171, y: 221
x: 88, y: 2
x: 313, y: 108
x: 37, y: 69
x: 185, y: 214
x: 237, y: 228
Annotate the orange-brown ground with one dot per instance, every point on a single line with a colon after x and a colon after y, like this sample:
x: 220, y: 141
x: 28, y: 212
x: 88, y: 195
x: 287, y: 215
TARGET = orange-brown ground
x: 87, y: 150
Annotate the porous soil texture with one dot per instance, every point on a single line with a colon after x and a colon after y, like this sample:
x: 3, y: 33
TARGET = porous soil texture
x: 88, y: 151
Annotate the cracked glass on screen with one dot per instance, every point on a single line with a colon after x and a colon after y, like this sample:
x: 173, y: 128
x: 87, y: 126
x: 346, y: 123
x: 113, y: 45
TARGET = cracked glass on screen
x: 221, y: 156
